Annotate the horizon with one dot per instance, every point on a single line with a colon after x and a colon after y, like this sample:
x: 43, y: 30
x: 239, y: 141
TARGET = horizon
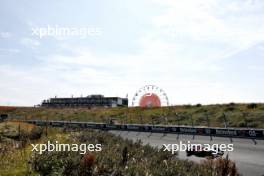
x: 129, y: 106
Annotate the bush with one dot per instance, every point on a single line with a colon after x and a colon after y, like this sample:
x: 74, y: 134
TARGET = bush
x: 221, y: 166
x: 232, y: 104
x: 187, y: 106
x: 60, y: 163
x: 230, y: 108
x: 35, y: 133
x: 242, y: 124
x: 198, y: 105
x: 121, y: 157
x: 252, y: 106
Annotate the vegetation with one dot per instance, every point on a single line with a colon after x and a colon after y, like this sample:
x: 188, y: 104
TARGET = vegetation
x: 124, y: 157
x: 16, y: 130
x: 118, y: 157
x: 14, y: 147
x: 237, y: 115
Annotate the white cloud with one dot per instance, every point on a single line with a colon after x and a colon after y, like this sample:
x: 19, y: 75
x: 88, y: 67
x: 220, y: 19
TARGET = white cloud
x: 233, y: 24
x: 31, y: 43
x: 5, y: 34
x: 7, y: 51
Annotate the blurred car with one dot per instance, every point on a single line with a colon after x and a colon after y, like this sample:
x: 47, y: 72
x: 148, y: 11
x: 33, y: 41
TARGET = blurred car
x: 202, y: 152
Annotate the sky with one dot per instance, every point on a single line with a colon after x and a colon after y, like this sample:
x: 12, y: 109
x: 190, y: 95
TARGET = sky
x: 197, y: 51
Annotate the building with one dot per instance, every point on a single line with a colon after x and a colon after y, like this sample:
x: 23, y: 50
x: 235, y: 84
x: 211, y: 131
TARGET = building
x: 89, y: 101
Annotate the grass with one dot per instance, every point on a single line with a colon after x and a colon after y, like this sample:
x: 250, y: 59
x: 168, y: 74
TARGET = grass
x: 18, y: 130
x: 121, y: 157
x: 118, y: 157
x: 15, y: 152
x: 237, y: 115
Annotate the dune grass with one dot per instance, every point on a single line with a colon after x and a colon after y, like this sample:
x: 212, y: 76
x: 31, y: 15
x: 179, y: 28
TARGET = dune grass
x: 237, y: 115
x: 118, y: 156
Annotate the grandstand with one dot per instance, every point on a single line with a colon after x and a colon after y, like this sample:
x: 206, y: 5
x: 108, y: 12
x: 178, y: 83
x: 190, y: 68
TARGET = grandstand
x: 89, y: 101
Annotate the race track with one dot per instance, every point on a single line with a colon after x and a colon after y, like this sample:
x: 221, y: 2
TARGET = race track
x: 248, y: 154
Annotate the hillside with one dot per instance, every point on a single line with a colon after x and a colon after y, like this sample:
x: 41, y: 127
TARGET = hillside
x: 236, y: 115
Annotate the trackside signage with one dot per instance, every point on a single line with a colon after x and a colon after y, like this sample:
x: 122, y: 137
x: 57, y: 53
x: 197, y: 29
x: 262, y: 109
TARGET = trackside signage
x: 230, y: 132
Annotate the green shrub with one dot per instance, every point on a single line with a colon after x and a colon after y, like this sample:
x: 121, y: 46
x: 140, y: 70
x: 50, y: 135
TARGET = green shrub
x: 121, y: 157
x: 252, y: 106
x: 35, y: 133
x: 198, y: 105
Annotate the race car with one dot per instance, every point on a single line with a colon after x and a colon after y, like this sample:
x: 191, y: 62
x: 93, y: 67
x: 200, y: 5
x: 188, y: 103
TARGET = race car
x: 202, y: 152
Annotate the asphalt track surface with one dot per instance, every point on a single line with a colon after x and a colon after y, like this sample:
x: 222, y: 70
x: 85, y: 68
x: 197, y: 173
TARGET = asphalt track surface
x: 248, y: 154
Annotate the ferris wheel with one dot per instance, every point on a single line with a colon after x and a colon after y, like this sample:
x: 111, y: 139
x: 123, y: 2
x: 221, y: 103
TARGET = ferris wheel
x: 150, y: 96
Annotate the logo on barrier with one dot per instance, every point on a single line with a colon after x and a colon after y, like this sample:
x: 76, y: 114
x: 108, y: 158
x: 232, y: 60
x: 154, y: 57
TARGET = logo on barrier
x: 252, y: 133
x: 226, y: 132
x: 188, y: 130
x: 207, y: 131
